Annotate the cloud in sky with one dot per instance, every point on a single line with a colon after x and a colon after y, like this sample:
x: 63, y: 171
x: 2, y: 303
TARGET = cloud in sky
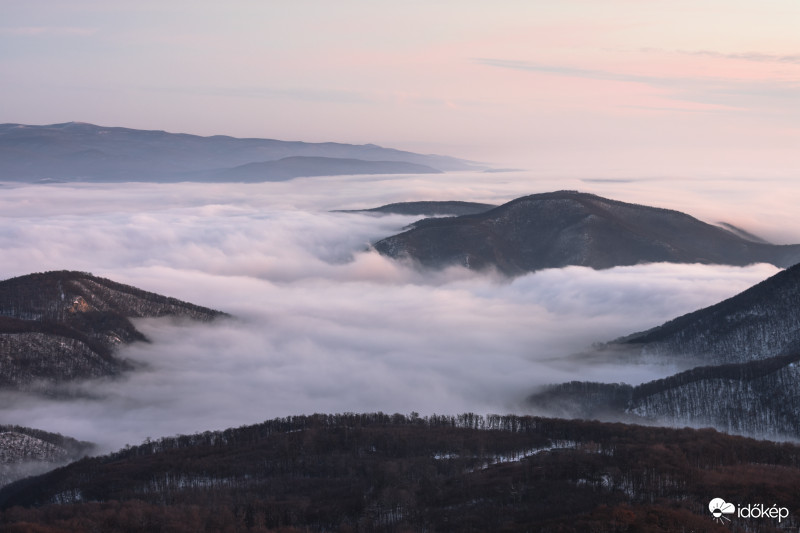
x: 571, y: 71
x: 293, y: 93
x: 747, y: 56
x: 321, y: 323
x: 722, y: 93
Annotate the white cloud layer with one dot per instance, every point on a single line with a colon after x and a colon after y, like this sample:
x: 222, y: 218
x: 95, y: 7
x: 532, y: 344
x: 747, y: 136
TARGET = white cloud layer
x: 322, y: 324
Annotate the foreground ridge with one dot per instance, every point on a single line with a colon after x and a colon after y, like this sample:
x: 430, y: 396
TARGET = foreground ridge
x: 384, y: 472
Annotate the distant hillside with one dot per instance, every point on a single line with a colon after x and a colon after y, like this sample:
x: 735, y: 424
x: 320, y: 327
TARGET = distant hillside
x: 558, y: 229
x: 427, y: 208
x: 299, y: 166
x: 60, y: 326
x: 761, y: 322
x: 86, y: 152
x: 384, y: 473
x: 26, y: 452
x: 758, y: 398
x: 742, y: 233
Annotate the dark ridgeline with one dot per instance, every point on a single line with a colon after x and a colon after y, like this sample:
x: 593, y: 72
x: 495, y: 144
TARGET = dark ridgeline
x: 426, y: 208
x: 748, y: 349
x: 85, y: 152
x: 378, y: 472
x: 60, y: 326
x: 558, y: 229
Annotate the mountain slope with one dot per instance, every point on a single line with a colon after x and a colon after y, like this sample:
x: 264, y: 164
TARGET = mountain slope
x: 78, y: 151
x: 558, y: 229
x: 379, y: 472
x: 758, y: 398
x: 761, y: 322
x: 60, y: 326
x: 26, y: 452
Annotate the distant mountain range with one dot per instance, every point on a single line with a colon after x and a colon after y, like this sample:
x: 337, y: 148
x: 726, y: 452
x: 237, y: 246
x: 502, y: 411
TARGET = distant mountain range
x: 300, y: 166
x: 749, y: 350
x: 558, y: 229
x: 57, y: 327
x: 426, y: 208
x: 76, y: 151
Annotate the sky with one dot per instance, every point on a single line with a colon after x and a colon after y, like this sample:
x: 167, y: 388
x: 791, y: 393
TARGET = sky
x: 700, y: 87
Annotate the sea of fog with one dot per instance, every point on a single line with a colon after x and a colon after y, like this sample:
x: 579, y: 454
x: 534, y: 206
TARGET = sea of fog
x: 322, y: 324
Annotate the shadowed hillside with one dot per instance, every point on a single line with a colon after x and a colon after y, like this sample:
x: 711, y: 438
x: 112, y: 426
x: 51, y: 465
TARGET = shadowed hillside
x: 60, y: 326
x: 761, y: 322
x: 25, y: 452
x: 558, y: 229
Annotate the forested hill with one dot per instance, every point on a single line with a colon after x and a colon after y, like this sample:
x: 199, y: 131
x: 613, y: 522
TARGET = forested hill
x: 758, y: 398
x: 377, y: 472
x: 557, y: 229
x: 60, y: 326
x: 26, y: 451
x: 58, y: 295
x: 761, y: 322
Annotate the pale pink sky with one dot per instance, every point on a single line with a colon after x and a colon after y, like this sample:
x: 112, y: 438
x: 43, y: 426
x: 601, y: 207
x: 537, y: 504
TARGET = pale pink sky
x: 576, y: 86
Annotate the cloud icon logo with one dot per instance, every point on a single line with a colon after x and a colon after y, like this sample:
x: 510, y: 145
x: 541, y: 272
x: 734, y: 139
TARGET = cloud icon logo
x: 720, y: 507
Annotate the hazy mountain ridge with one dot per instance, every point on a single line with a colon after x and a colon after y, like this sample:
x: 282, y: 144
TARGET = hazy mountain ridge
x: 305, y: 166
x: 382, y: 472
x: 427, y: 208
x: 60, y: 326
x: 25, y: 452
x: 743, y: 233
x: 553, y: 230
x: 78, y: 151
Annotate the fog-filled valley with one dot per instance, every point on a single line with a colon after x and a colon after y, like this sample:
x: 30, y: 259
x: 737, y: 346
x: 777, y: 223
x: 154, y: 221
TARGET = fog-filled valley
x: 321, y: 323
